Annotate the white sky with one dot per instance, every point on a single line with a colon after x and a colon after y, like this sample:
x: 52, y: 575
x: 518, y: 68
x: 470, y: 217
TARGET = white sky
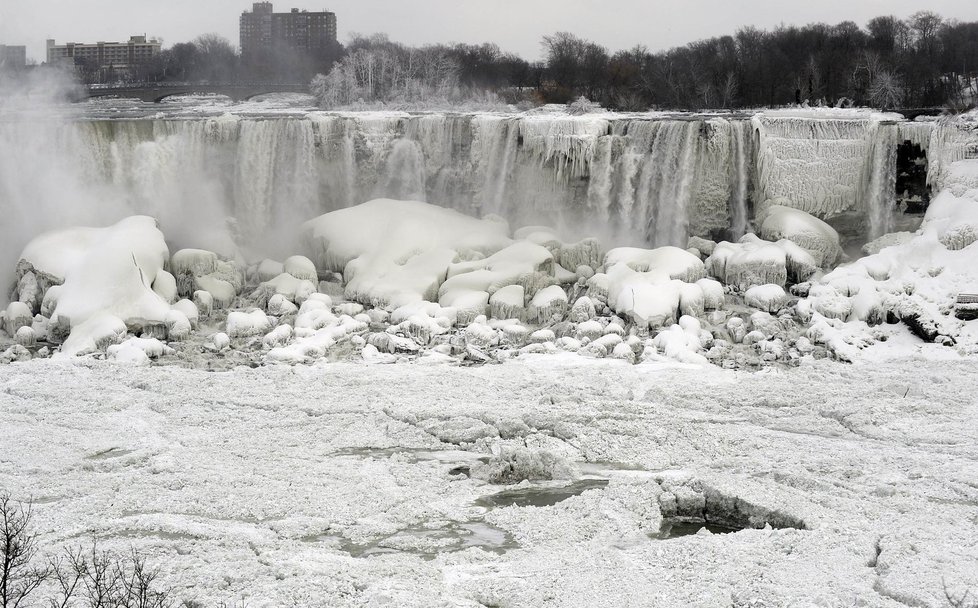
x: 516, y: 25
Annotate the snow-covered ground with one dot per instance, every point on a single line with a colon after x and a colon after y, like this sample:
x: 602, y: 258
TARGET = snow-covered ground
x: 348, y: 484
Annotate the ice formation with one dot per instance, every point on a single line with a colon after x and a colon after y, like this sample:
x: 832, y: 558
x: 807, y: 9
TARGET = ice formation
x: 449, y: 279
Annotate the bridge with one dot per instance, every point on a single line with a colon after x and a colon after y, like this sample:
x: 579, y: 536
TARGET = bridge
x: 155, y: 93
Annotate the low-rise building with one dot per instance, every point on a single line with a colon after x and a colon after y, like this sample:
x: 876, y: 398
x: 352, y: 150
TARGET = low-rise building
x: 102, y: 55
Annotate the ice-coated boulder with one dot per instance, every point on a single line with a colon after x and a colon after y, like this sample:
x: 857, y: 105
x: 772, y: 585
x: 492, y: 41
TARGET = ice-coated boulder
x: 301, y: 268
x: 279, y: 336
x: 138, y: 351
x: 713, y: 296
x: 17, y: 315
x: 280, y: 306
x: 583, y: 310
x: 748, y: 263
x: 649, y: 299
x: 189, y: 310
x: 221, y: 341
x: 26, y: 336
x: 94, y: 334
x: 108, y: 272
x: 508, y: 303
x: 247, y: 323
x: 587, y: 252
x: 269, y: 269
x: 178, y: 326
x: 193, y: 262
x: 803, y: 229
x: 204, y: 302
x: 672, y: 262
x: 769, y: 298
x: 547, y: 303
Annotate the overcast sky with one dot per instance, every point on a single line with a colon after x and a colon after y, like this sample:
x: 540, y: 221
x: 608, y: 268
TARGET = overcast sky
x: 516, y: 25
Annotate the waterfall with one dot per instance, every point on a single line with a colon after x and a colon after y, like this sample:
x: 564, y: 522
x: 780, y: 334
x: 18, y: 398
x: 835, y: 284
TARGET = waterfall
x: 880, y: 194
x: 740, y: 178
x: 235, y: 183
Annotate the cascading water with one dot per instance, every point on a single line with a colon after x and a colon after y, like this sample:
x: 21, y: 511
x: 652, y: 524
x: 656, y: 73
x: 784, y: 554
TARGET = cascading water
x: 740, y: 177
x: 880, y: 194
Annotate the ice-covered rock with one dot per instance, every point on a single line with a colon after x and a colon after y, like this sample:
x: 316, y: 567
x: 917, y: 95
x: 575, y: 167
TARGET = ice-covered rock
x: 583, y: 310
x: 279, y: 305
x: 178, y: 326
x: 548, y: 303
x: 508, y: 303
x: 279, y: 336
x: 673, y: 262
x: 26, y: 336
x: 748, y: 263
x: 713, y: 295
x: 108, y: 272
x: 649, y: 299
x: 189, y: 310
x: 301, y: 268
x: 138, y: 351
x: 242, y: 324
x: 769, y: 298
x: 17, y: 315
x: 220, y: 293
x: 221, y: 341
x: 395, y: 252
x: 681, y: 341
x: 803, y: 229
x: 269, y: 269
x: 94, y: 334
x: 166, y: 286
x: 204, y: 302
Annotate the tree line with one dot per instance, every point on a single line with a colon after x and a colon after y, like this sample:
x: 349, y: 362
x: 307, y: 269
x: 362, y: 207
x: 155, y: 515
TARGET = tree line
x: 921, y: 61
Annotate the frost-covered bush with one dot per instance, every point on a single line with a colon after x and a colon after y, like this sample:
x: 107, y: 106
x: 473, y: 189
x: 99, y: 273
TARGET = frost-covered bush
x: 514, y: 464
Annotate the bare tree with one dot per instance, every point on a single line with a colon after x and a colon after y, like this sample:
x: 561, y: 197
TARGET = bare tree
x: 886, y: 90
x: 19, y: 577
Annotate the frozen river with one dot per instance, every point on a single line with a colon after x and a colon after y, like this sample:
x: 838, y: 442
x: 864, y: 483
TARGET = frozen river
x: 356, y: 485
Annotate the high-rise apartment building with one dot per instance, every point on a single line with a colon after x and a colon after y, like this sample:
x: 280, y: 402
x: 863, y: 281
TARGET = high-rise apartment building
x: 122, y: 55
x: 13, y: 57
x: 264, y: 31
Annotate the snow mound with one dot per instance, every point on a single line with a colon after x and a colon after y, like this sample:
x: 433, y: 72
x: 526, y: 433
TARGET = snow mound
x: 915, y: 279
x: 673, y: 262
x: 395, y: 252
x: 107, y: 272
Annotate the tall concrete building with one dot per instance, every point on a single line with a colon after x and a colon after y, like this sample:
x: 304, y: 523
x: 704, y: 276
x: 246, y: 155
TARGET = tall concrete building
x: 264, y: 32
x: 120, y: 55
x: 13, y: 57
